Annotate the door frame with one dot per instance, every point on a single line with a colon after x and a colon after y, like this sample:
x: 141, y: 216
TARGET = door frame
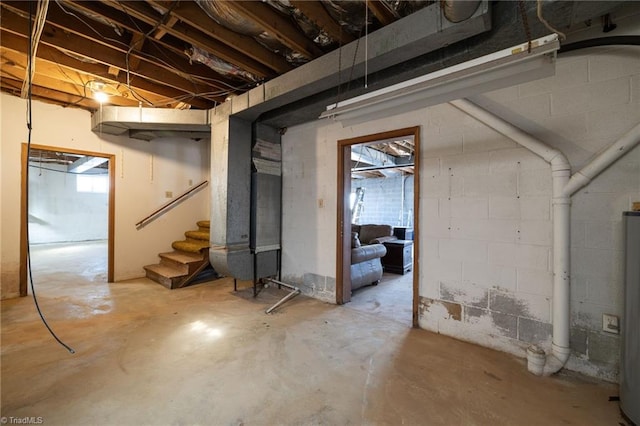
x: 23, y: 209
x: 343, y: 226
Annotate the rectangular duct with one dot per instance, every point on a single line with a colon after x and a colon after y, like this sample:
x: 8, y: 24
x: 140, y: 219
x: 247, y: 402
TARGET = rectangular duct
x: 151, y: 123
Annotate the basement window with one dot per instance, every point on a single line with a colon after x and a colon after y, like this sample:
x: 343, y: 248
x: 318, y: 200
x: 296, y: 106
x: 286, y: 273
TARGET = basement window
x: 98, y: 184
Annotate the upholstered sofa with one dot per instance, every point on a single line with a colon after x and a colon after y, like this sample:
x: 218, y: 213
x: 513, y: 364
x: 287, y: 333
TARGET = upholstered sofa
x: 366, y: 251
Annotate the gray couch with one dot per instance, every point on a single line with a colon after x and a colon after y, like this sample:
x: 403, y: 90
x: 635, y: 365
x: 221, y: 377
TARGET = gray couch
x: 366, y: 251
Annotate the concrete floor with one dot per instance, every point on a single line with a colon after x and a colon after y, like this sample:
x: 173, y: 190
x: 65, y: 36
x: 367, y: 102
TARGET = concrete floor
x: 390, y: 299
x: 206, y: 355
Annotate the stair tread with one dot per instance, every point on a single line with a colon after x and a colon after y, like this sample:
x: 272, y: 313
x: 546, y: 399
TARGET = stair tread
x: 198, y: 235
x: 193, y: 246
x: 203, y: 223
x: 183, y: 256
x: 165, y: 271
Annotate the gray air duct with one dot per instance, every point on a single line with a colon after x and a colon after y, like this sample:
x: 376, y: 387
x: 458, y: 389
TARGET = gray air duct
x: 151, y: 123
x: 458, y: 11
x: 245, y: 201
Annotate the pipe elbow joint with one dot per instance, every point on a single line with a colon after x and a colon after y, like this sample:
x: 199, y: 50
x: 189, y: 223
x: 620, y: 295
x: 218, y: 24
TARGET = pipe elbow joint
x: 542, y: 364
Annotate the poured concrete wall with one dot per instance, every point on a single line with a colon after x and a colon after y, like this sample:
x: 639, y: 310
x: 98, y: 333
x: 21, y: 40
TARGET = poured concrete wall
x: 485, y: 209
x: 145, y: 171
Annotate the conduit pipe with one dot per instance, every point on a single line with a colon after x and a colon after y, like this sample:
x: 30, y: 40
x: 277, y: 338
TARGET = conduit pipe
x: 563, y: 187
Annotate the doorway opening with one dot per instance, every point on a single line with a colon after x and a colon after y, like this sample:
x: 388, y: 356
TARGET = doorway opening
x: 71, y: 214
x: 378, y: 187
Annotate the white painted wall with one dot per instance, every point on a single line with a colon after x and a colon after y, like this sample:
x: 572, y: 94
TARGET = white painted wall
x: 56, y: 207
x: 144, y: 172
x: 485, y: 242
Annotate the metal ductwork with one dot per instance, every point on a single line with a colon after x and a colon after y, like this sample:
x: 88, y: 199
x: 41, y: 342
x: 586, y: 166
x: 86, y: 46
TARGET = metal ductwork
x: 245, y: 206
x: 151, y: 123
x: 458, y: 11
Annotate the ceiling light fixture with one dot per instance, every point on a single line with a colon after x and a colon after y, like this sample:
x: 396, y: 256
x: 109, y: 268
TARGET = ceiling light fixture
x: 97, y: 88
x: 497, y: 70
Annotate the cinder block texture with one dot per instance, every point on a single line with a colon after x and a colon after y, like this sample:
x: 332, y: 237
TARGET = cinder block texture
x: 486, y: 206
x: 386, y: 200
x: 603, y: 347
x: 533, y: 331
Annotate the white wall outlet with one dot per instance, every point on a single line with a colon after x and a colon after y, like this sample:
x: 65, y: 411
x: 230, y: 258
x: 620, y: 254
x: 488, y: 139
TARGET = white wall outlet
x: 610, y: 323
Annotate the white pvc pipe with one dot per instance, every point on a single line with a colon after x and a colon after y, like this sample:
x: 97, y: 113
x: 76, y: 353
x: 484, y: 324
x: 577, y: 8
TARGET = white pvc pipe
x: 564, y: 185
x: 616, y: 150
x: 560, y: 172
x: 549, y: 154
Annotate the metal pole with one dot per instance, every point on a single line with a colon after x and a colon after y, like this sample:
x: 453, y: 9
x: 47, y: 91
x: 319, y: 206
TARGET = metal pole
x: 291, y: 295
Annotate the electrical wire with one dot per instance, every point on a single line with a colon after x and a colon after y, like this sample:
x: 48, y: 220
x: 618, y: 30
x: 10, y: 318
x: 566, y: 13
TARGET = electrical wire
x: 34, y: 39
x: 366, y: 43
x: 172, y: 66
x: 29, y: 129
x: 547, y: 24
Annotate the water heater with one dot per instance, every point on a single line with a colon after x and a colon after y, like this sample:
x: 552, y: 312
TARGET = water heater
x: 630, y: 366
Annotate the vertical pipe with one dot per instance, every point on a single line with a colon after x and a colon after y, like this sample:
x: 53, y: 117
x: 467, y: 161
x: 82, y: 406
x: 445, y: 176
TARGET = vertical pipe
x: 561, y: 268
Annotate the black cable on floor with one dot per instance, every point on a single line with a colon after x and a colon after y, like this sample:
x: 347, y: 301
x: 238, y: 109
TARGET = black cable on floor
x: 29, y: 122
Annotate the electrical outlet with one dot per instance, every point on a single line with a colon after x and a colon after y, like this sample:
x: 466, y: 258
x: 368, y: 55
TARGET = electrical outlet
x: 168, y: 194
x: 610, y: 323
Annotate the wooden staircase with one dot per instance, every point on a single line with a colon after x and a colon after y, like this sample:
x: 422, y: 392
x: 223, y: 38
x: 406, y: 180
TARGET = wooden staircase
x: 181, y: 266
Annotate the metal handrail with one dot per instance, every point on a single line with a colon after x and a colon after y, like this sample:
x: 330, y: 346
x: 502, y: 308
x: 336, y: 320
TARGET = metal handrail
x: 170, y: 204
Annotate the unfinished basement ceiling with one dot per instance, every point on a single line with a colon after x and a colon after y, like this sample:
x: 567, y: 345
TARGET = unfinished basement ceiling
x: 43, y: 158
x: 384, y: 158
x: 175, y: 54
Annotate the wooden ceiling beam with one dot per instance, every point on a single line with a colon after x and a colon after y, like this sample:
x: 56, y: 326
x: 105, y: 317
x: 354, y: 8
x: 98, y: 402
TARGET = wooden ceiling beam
x: 160, y: 32
x: 58, y: 19
x: 57, y: 38
x: 16, y: 63
x: 278, y: 26
x: 137, y: 41
x: 146, y: 13
x: 316, y: 12
x: 381, y: 11
x: 81, y: 91
x: 48, y: 95
x: 169, y: 48
x: 20, y: 44
x: 190, y: 13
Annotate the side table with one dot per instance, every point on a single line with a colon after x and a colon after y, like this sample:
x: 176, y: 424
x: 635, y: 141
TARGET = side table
x: 399, y: 257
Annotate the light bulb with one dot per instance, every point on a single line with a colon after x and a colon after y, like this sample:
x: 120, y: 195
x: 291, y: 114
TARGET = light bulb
x: 101, y: 97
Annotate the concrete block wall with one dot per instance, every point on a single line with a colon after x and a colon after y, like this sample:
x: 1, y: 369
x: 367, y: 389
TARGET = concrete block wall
x: 387, y: 200
x: 485, y: 208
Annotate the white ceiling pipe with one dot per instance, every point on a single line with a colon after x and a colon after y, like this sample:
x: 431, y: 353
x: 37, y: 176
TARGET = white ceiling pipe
x: 560, y: 171
x: 616, y: 150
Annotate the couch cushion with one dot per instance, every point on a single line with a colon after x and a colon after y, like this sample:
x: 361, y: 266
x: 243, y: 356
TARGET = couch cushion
x: 370, y: 232
x: 368, y: 252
